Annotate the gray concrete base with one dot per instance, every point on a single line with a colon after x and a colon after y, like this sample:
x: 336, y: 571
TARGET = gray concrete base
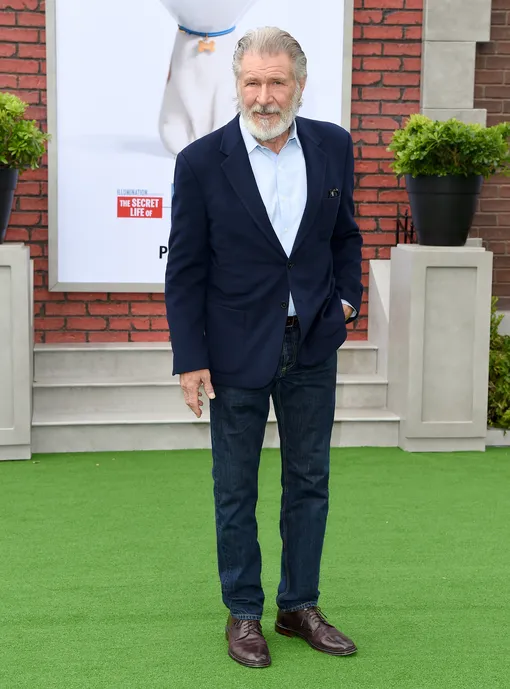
x: 498, y: 438
x: 443, y: 444
x: 440, y: 299
x: 8, y: 452
x: 469, y: 116
x: 474, y: 241
x: 16, y: 347
x: 504, y: 326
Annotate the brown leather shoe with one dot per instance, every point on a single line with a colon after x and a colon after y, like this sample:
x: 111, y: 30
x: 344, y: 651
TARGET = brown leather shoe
x: 246, y: 643
x: 311, y: 625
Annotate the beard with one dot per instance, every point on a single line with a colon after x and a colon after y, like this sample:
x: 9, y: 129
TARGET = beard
x: 265, y: 130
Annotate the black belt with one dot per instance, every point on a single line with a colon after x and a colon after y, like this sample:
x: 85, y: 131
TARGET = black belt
x: 292, y: 321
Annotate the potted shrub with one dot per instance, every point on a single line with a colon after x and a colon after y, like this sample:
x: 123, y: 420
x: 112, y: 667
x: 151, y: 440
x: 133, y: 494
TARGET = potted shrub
x: 444, y: 165
x: 22, y: 145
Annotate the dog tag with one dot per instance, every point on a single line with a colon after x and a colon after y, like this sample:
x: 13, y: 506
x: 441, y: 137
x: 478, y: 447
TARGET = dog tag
x: 204, y: 45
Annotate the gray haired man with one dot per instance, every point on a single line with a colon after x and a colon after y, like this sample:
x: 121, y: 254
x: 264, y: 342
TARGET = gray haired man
x: 264, y: 271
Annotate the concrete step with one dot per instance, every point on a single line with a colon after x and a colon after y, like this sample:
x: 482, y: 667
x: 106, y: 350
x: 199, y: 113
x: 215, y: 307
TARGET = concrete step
x: 164, y: 400
x: 148, y: 362
x: 352, y: 428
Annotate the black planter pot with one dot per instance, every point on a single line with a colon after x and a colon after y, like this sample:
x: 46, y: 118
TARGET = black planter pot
x: 443, y: 208
x: 8, y: 182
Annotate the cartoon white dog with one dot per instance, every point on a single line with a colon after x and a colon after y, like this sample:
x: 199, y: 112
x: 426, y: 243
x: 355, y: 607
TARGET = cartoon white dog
x: 200, y: 92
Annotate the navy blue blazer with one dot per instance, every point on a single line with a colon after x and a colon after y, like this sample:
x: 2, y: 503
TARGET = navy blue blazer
x: 228, y: 277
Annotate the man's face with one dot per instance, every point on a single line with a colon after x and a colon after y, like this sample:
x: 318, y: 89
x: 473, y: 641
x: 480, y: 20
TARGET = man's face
x: 268, y: 93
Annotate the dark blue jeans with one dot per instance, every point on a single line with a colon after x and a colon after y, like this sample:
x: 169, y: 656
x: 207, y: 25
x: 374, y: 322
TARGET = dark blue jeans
x: 304, y: 401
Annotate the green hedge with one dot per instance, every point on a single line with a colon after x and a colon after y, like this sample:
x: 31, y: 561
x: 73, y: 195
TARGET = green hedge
x: 499, y: 374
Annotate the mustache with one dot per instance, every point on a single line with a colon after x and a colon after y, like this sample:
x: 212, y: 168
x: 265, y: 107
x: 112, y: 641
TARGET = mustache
x: 265, y: 110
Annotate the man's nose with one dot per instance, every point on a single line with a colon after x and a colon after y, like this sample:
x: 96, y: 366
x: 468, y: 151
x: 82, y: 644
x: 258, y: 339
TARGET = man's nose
x: 264, y: 96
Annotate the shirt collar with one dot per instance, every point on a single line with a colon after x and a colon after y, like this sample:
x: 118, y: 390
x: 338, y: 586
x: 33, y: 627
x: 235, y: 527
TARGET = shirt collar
x: 251, y: 143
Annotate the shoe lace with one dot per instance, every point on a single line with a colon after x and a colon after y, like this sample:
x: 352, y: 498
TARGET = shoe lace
x: 315, y: 615
x: 249, y: 626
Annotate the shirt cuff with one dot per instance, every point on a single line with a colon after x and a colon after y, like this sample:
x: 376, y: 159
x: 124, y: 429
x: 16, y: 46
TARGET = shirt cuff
x: 354, y: 312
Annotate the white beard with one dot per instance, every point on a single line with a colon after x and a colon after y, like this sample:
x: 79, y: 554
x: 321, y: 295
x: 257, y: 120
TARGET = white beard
x: 200, y: 91
x: 265, y: 131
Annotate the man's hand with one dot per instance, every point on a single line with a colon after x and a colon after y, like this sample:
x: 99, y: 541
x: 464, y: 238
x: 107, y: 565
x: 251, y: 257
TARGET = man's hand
x: 190, y: 384
x: 348, y: 311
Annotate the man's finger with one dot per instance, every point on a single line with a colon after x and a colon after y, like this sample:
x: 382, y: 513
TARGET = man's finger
x: 208, y: 388
x: 191, y: 399
x: 196, y: 410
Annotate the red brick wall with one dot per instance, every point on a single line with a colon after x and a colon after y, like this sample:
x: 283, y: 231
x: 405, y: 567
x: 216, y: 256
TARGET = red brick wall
x: 386, y: 79
x: 492, y: 91
x: 386, y: 89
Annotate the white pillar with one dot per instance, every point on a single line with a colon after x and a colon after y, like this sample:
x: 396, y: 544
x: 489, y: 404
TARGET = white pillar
x: 439, y: 332
x: 16, y: 347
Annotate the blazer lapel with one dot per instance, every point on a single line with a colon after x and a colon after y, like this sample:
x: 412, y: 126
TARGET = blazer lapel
x: 238, y: 170
x: 316, y: 160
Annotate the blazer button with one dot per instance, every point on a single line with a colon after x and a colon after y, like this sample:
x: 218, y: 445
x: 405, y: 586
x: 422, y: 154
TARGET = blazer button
x: 284, y: 305
x: 290, y: 265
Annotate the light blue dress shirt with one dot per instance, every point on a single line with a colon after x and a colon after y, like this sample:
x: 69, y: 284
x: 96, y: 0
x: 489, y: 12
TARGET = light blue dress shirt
x: 281, y: 181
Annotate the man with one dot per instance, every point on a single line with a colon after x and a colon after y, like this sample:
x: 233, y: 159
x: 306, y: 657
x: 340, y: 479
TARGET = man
x: 264, y: 271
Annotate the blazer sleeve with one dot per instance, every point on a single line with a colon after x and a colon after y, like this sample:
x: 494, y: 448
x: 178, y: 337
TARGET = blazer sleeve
x: 346, y: 241
x: 186, y: 272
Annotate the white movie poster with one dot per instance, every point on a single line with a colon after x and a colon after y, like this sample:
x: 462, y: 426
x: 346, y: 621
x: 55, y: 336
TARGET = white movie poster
x: 131, y: 89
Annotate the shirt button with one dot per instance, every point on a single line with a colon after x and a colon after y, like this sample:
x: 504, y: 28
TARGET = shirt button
x: 284, y: 305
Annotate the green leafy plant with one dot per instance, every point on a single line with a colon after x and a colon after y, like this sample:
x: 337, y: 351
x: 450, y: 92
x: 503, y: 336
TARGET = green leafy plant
x: 430, y: 147
x: 22, y: 143
x: 499, y: 374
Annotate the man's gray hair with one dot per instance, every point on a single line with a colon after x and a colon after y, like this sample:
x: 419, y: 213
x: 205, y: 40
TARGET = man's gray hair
x: 270, y: 40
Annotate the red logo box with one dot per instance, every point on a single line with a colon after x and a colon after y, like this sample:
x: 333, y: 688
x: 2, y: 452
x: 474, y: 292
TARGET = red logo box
x: 139, y: 206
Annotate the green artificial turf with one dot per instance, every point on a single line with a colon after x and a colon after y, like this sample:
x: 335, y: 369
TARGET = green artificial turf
x: 108, y: 573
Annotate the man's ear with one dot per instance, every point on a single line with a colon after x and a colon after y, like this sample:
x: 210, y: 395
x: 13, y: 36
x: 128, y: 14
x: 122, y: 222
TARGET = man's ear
x: 302, y: 84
